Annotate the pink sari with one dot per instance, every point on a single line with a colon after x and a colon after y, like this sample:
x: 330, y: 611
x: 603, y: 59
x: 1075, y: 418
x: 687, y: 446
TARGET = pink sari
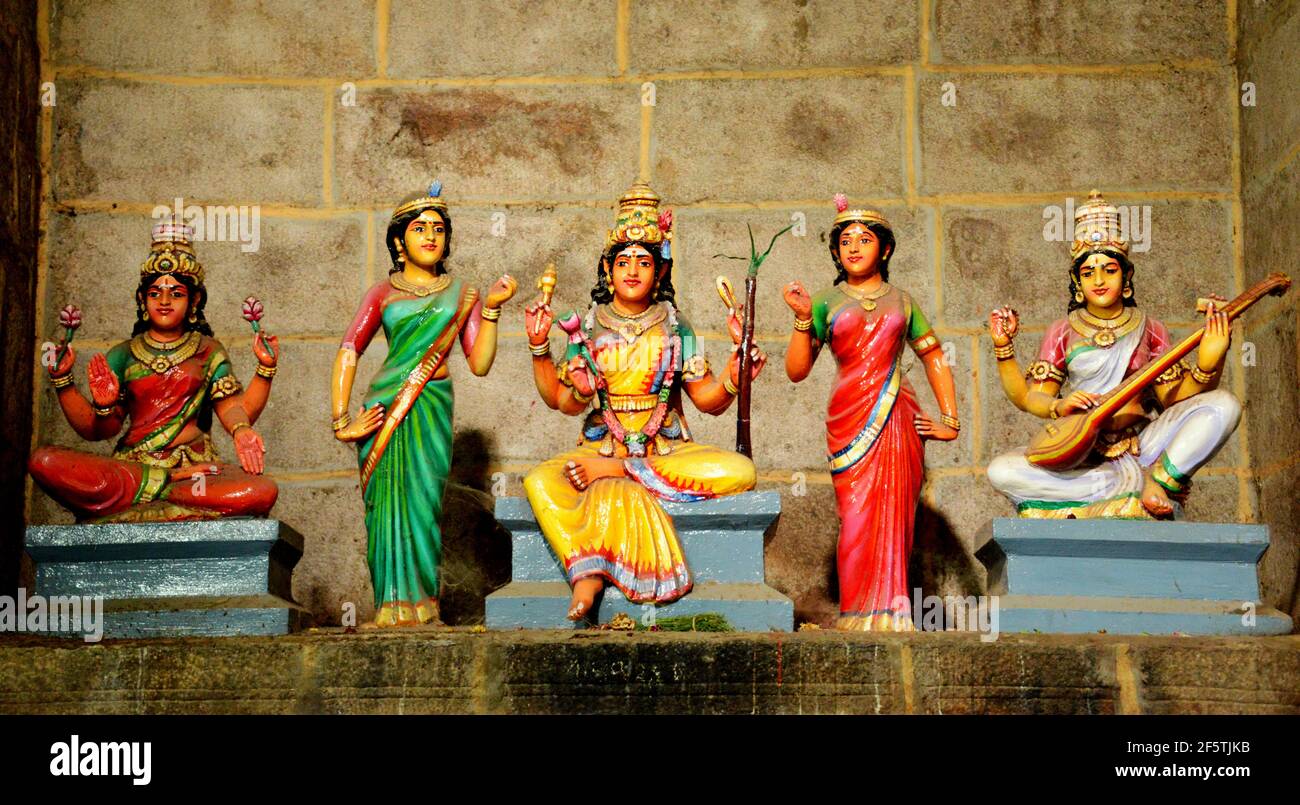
x: 876, y: 463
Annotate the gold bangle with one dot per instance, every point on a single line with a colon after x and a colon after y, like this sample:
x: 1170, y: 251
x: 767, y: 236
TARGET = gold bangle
x: 62, y: 381
x: 106, y: 411
x: 726, y: 384
x: 490, y: 313
x: 951, y: 421
x: 1052, y: 410
x: 803, y: 325
x: 1004, y: 352
x: 267, y: 371
x: 1204, y: 378
x: 237, y: 426
x: 577, y: 395
x: 542, y: 350
x: 341, y: 423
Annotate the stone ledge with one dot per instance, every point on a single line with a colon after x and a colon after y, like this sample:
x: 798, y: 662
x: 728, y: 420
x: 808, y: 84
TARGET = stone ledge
x: 458, y: 671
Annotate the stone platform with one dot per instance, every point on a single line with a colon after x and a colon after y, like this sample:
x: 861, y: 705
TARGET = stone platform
x: 455, y: 670
x: 723, y: 543
x: 198, y: 578
x: 1129, y: 577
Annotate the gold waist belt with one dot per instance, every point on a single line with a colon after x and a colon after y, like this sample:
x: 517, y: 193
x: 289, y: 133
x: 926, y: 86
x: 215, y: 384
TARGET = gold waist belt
x: 628, y: 403
x: 1113, y: 444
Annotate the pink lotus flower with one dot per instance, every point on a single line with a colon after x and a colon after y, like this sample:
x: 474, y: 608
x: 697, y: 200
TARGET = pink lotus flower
x: 841, y: 202
x: 252, y: 311
x: 666, y: 220
x: 70, y: 317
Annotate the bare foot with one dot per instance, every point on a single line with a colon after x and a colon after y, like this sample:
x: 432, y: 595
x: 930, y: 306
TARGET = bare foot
x: 584, y: 595
x: 1156, y: 500
x: 577, y: 475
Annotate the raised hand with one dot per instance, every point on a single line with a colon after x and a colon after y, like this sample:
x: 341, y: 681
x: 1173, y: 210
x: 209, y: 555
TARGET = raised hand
x: 927, y: 428
x: 366, y: 422
x: 1078, y: 401
x: 501, y: 291
x: 1217, y: 338
x: 797, y: 297
x: 64, y: 364
x: 537, y: 323
x: 757, y: 360
x: 251, y: 451
x: 1004, y: 323
x: 104, y: 388
x: 266, y: 348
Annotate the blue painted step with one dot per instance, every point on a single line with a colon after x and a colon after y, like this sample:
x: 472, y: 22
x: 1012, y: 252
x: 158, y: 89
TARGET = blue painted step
x: 1129, y: 577
x: 722, y: 540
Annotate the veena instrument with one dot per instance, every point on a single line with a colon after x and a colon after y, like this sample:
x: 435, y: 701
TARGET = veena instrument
x: 1066, y: 442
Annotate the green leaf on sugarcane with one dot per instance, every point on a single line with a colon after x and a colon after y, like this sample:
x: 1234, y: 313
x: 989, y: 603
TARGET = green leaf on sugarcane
x: 703, y: 622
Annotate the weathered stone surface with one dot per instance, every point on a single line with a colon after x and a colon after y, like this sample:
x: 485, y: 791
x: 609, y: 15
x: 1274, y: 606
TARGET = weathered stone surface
x: 1270, y: 128
x: 1032, y: 32
x: 958, y: 510
x: 1270, y: 244
x: 750, y: 34
x: 1220, y: 676
x: 525, y: 143
x: 799, y: 557
x: 1001, y: 255
x: 959, y: 675
x: 1278, y: 494
x: 1273, y: 391
x: 451, y: 671
x: 332, y: 577
x: 243, y: 37
x: 512, y: 38
x: 309, y: 274
x: 1015, y: 134
x: 778, y: 139
x: 240, y: 145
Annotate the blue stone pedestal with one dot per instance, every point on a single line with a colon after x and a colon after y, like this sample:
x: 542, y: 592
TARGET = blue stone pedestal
x: 1129, y: 577
x: 723, y: 543
x: 209, y: 578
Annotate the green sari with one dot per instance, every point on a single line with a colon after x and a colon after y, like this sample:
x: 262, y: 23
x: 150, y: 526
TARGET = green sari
x: 404, y: 466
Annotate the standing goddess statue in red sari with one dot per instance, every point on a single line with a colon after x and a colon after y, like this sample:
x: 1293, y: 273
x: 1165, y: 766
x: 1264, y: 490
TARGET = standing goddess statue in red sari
x: 165, y: 385
x: 874, y: 426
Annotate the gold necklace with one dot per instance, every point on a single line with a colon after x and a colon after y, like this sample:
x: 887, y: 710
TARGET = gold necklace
x: 401, y: 283
x: 630, y: 327
x: 183, y: 350
x: 1104, y: 332
x: 865, y: 298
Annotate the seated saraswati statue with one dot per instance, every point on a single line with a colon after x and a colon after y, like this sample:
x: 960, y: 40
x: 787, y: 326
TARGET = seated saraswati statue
x: 1136, y: 419
x: 627, y: 363
x: 165, y: 385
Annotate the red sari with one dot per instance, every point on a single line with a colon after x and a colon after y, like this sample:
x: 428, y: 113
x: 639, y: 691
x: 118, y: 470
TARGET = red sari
x: 875, y: 453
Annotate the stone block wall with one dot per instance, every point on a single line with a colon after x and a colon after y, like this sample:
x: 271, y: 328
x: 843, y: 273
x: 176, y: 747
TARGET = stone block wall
x: 962, y: 119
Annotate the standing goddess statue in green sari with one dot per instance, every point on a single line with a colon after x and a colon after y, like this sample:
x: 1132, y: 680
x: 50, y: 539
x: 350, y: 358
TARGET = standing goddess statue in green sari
x: 404, y: 428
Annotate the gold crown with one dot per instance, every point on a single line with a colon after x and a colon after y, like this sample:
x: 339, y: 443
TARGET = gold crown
x: 431, y: 200
x: 861, y: 215
x: 171, y: 252
x: 638, y: 218
x: 1097, y: 227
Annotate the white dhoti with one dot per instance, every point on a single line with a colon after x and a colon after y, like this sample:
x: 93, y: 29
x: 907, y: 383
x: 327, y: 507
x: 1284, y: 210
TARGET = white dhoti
x: 1184, y: 437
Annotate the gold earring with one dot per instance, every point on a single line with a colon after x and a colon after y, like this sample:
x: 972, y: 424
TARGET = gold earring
x: 144, y: 314
x: 193, y: 317
x: 1128, y: 291
x: 1078, y: 296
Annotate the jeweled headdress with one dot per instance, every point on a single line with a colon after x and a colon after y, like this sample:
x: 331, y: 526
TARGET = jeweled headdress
x: 1097, y: 227
x: 431, y: 200
x: 172, y: 252
x: 862, y: 215
x: 639, y: 220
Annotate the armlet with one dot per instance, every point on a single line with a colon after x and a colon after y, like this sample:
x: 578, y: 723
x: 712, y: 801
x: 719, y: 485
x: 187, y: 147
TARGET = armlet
x: 1042, y: 371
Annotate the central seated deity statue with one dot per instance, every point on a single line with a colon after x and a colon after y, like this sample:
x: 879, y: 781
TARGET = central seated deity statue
x: 627, y: 364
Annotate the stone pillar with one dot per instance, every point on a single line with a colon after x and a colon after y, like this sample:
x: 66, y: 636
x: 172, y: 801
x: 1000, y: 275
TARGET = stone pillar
x: 20, y: 189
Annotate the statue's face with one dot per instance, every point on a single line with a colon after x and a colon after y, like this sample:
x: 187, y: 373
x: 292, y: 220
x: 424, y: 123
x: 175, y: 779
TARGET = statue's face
x: 1102, y: 279
x: 634, y: 274
x: 425, y: 241
x: 860, y: 252
x: 168, y: 303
